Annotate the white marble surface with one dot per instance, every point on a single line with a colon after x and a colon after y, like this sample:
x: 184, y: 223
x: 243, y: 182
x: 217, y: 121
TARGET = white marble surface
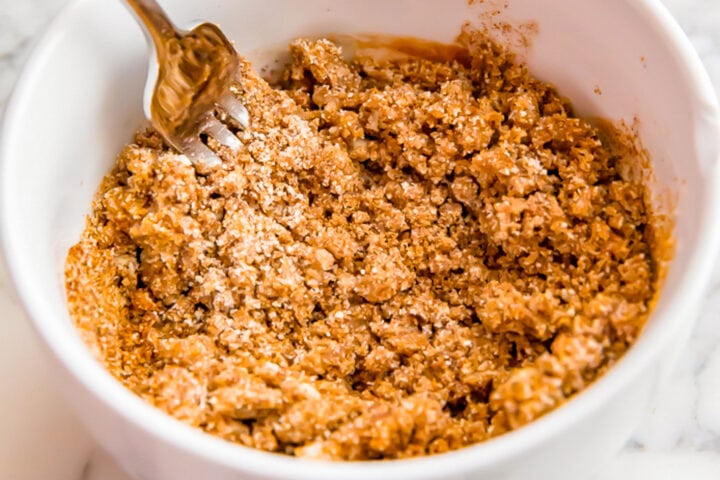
x: 40, y: 439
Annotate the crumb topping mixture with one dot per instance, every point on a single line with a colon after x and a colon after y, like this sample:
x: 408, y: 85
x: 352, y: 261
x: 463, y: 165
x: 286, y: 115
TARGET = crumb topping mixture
x: 407, y: 256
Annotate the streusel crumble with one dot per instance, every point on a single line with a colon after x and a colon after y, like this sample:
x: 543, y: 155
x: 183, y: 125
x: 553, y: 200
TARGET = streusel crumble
x: 408, y: 255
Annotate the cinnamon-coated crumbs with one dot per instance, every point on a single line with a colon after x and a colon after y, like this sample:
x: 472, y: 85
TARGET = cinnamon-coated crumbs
x: 407, y: 256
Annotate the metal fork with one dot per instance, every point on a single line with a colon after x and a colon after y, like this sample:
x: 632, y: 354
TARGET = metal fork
x: 190, y: 85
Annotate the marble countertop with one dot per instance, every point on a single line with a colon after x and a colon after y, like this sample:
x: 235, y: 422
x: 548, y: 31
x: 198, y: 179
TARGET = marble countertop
x: 41, y: 440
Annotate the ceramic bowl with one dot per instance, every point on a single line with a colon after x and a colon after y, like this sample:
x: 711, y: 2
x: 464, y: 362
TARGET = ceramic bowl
x: 79, y: 101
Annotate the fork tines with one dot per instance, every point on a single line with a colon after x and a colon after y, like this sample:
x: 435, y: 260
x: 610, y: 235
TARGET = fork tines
x: 201, y: 154
x: 235, y: 109
x: 217, y: 130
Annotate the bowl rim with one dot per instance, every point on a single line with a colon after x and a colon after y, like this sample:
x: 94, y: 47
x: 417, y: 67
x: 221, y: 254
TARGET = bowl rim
x: 152, y: 422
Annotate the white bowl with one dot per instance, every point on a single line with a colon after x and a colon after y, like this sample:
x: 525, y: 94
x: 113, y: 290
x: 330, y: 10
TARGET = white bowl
x: 79, y: 100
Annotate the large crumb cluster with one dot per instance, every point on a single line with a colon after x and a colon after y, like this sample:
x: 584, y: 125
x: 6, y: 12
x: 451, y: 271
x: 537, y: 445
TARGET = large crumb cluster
x: 407, y: 256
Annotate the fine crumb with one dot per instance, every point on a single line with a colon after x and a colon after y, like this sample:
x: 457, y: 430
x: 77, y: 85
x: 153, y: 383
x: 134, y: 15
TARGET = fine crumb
x: 407, y: 256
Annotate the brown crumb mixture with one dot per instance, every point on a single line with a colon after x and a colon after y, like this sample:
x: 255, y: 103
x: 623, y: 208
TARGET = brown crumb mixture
x: 406, y: 257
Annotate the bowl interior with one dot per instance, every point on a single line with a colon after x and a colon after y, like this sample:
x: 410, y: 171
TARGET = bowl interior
x: 79, y: 101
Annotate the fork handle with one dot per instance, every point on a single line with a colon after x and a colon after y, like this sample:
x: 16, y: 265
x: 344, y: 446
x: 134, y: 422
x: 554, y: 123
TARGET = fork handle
x: 151, y: 15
